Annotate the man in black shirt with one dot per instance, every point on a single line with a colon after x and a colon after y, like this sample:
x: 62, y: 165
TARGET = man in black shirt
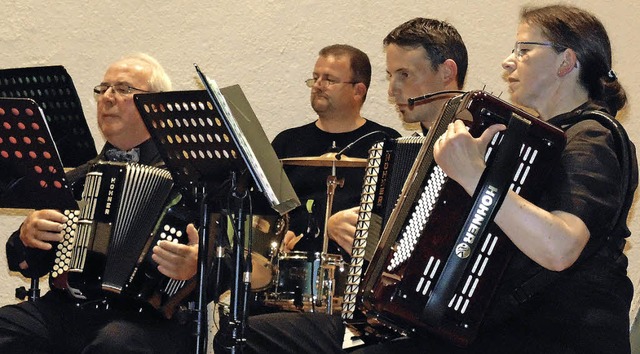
x: 423, y: 56
x: 339, y: 85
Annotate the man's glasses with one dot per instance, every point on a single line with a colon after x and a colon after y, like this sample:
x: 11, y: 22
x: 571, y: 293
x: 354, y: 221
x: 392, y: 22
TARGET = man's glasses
x: 521, y: 48
x: 120, y: 89
x: 327, y: 82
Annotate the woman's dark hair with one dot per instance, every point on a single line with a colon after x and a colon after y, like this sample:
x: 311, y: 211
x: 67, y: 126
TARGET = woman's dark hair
x: 571, y: 27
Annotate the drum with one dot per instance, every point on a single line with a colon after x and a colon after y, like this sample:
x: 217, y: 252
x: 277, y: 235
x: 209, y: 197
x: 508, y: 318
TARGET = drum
x: 297, y: 275
x: 268, y: 232
x: 296, y: 279
x: 262, y: 272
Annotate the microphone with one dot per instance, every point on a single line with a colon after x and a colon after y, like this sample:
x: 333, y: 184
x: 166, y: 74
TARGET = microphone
x: 348, y: 147
x: 412, y: 101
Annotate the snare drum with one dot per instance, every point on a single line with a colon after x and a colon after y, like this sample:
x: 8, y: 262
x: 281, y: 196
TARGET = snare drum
x: 296, y: 279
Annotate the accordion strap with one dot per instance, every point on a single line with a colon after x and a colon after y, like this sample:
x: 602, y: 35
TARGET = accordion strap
x: 488, y: 196
x: 626, y: 157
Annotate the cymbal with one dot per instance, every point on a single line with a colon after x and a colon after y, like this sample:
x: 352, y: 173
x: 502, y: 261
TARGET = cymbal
x: 325, y: 160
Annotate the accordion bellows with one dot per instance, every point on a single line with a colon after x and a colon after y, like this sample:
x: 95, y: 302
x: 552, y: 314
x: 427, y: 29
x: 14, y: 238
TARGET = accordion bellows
x: 126, y: 208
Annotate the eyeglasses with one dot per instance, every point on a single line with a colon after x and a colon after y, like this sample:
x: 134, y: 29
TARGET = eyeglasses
x: 521, y: 48
x: 120, y: 89
x: 327, y: 82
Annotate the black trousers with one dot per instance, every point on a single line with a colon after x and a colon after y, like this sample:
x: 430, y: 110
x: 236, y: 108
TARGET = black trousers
x: 54, y: 324
x: 288, y: 332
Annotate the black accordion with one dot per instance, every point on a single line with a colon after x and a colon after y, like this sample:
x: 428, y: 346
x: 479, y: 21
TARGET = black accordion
x: 439, y: 257
x: 126, y: 208
x: 388, y: 166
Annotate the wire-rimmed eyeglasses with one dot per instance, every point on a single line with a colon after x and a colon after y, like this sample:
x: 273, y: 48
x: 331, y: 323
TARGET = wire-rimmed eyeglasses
x: 521, y: 48
x: 120, y: 89
x: 327, y: 82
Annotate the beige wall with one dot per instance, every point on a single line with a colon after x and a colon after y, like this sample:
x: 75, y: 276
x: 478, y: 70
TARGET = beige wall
x: 269, y: 48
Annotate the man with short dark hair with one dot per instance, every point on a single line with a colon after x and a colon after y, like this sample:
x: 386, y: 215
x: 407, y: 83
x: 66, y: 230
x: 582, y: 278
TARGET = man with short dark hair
x: 423, y: 56
x: 339, y: 85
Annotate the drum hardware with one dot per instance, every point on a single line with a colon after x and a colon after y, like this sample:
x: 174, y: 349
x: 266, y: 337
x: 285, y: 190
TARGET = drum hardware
x: 323, y: 267
x: 325, y: 285
x: 327, y: 279
x: 273, y: 251
x: 296, y: 282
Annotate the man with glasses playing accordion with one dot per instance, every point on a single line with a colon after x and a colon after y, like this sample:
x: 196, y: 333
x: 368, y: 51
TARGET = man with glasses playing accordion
x: 59, y: 323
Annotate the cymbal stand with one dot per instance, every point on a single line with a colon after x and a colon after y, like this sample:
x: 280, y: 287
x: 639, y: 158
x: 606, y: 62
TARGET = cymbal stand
x: 326, y: 284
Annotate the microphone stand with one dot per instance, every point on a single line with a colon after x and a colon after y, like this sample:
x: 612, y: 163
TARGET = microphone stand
x: 348, y: 147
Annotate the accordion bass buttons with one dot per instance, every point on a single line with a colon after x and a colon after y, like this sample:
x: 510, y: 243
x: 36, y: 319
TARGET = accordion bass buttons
x: 170, y: 234
x: 64, y: 247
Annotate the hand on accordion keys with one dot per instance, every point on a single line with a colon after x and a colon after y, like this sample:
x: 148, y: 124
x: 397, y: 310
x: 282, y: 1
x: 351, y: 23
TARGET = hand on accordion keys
x: 41, y: 227
x: 461, y: 156
x: 342, y: 226
x: 178, y: 261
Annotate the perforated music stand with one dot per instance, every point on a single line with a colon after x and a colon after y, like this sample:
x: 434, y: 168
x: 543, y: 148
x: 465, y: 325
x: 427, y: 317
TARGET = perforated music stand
x: 212, y: 139
x: 52, y: 88
x: 200, y: 144
x: 31, y: 173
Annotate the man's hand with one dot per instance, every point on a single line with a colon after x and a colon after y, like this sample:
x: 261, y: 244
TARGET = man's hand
x: 342, y: 227
x: 178, y: 261
x: 41, y: 227
x: 289, y: 241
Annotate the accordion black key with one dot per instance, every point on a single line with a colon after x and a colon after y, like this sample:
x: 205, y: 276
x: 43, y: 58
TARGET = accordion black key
x: 126, y: 209
x: 427, y: 272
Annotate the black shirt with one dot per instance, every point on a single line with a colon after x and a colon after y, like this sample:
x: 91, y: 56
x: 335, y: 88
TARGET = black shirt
x: 310, y: 183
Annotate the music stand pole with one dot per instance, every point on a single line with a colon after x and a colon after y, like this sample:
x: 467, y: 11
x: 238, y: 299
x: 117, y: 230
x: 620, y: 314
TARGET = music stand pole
x: 203, y: 245
x: 239, y: 293
x: 31, y: 294
x: 199, y: 139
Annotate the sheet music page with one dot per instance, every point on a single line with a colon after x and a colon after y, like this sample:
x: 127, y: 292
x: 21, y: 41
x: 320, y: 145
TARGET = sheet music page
x: 243, y: 144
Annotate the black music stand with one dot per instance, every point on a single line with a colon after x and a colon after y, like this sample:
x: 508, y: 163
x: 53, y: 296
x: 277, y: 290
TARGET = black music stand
x: 52, y: 88
x: 31, y: 173
x: 215, y: 147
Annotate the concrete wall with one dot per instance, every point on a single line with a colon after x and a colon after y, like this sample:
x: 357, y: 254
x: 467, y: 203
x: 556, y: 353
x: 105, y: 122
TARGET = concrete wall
x: 269, y: 47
